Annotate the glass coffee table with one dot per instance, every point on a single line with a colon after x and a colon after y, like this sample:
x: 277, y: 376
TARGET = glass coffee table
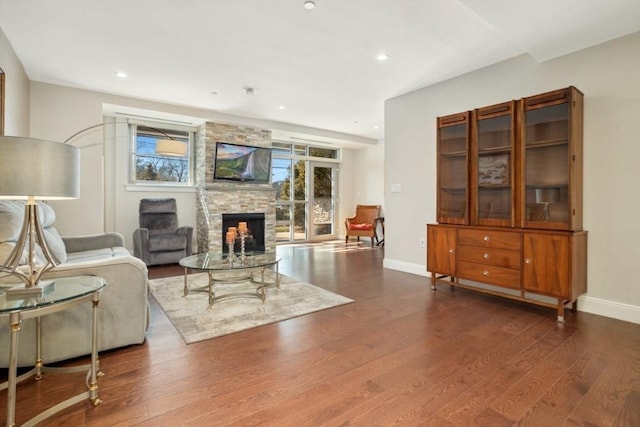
x: 222, y: 269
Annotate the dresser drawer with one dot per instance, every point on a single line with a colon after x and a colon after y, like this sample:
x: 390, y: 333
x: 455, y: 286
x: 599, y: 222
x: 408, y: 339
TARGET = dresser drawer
x: 490, y: 239
x: 490, y: 256
x: 488, y: 274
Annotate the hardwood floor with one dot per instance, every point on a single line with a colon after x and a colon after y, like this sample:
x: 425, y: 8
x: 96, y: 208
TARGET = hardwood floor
x: 399, y: 355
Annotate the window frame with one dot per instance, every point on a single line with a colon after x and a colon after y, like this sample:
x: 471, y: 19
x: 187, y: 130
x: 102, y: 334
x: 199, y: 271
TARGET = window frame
x: 161, y: 127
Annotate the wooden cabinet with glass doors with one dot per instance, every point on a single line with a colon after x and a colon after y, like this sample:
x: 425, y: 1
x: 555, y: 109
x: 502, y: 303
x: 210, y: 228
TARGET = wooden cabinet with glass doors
x: 509, y: 205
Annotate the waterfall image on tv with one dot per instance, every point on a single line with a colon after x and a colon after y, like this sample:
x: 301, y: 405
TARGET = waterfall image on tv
x: 242, y: 163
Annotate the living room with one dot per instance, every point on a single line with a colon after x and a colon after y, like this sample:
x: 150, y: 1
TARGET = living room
x: 607, y: 73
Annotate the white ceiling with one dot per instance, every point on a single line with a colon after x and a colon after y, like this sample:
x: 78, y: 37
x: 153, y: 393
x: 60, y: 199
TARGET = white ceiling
x: 320, y: 64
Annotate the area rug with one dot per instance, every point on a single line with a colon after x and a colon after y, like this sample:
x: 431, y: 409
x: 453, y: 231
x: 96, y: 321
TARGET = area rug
x: 195, y: 322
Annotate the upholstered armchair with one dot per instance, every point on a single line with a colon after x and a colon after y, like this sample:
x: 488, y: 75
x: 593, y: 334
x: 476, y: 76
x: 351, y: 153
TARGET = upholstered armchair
x: 363, y: 223
x: 159, y: 240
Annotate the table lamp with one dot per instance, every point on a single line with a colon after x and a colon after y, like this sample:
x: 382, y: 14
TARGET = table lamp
x: 545, y: 196
x: 34, y: 169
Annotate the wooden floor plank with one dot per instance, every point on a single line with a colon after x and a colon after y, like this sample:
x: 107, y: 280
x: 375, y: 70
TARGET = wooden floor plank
x: 401, y: 354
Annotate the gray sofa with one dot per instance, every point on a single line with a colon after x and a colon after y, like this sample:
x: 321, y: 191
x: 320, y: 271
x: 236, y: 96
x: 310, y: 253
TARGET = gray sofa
x: 124, y: 307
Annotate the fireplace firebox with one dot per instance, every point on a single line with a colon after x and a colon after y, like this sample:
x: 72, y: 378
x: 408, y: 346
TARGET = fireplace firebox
x: 255, y: 225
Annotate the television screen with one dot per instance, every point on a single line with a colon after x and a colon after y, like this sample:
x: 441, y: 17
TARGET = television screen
x: 242, y: 163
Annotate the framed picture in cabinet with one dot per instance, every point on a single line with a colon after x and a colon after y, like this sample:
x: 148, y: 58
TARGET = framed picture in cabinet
x: 493, y: 169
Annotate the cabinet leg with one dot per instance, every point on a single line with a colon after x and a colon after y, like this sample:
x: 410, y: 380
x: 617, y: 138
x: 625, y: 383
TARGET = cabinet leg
x: 560, y: 311
x: 433, y: 281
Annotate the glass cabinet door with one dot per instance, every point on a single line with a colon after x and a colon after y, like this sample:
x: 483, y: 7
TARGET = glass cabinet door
x: 552, y: 153
x: 453, y: 148
x: 492, y: 167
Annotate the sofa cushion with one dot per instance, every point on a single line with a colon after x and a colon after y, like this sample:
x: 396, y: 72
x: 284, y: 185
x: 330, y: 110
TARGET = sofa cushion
x: 78, y: 258
x: 360, y: 226
x: 167, y: 242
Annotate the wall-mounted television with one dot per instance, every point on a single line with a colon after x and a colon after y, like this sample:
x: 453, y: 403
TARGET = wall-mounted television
x: 242, y: 163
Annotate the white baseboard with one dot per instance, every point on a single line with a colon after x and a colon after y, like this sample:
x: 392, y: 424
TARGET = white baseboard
x: 601, y: 307
x: 407, y: 267
x: 613, y: 309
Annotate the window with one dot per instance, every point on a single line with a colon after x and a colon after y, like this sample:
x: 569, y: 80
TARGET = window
x: 151, y: 166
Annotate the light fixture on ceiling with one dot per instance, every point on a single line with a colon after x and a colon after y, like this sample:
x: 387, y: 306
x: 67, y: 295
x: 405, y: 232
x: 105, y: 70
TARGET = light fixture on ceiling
x: 32, y: 170
x: 382, y: 57
x: 309, y: 5
x: 281, y: 107
x: 249, y: 91
x: 121, y: 74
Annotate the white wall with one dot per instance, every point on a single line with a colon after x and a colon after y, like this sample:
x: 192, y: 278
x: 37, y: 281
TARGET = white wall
x: 368, y: 175
x: 367, y: 181
x: 609, y: 77
x: 105, y: 204
x: 16, y: 99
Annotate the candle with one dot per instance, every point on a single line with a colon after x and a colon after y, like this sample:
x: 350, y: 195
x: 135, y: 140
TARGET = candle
x: 242, y: 227
x: 230, y: 237
x: 233, y: 231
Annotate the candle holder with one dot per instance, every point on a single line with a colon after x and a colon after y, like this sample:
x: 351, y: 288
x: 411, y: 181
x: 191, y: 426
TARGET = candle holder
x: 232, y: 256
x: 243, y: 236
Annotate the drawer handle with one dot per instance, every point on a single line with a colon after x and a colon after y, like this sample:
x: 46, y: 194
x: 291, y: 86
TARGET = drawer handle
x: 485, y: 256
x: 486, y: 238
x: 452, y: 250
x: 485, y: 273
x: 527, y: 260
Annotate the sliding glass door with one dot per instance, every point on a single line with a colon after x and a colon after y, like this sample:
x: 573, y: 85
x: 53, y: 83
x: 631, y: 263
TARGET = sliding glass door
x: 305, y: 179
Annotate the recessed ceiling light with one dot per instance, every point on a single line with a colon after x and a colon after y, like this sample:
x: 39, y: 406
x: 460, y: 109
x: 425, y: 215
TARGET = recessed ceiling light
x: 281, y: 107
x: 382, y: 57
x: 309, y: 5
x: 376, y: 127
x: 121, y: 74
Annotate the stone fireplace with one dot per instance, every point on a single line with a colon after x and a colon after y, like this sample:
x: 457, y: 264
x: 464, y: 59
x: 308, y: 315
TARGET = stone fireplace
x: 219, y: 198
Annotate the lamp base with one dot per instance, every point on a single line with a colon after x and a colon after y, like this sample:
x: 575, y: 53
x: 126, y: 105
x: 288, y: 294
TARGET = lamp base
x: 546, y: 215
x: 22, y: 291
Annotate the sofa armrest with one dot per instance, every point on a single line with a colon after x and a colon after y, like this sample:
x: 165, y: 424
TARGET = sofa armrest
x: 93, y: 241
x: 141, y: 244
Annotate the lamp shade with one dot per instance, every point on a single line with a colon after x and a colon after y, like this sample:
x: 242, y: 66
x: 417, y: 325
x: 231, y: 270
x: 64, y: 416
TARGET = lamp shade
x: 43, y: 170
x: 171, y: 147
x: 547, y: 195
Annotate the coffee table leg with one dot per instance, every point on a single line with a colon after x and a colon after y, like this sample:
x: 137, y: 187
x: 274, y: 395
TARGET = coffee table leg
x: 186, y: 288
x: 263, y: 286
x: 212, y: 294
